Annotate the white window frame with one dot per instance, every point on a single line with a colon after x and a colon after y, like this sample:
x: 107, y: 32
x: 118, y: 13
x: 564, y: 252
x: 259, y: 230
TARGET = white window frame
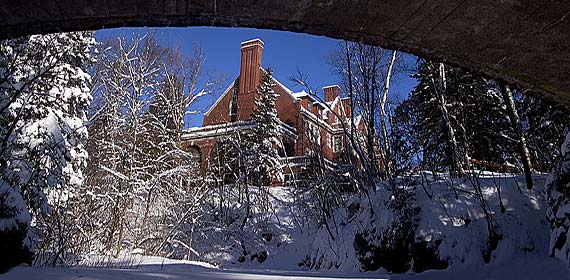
x: 340, y: 146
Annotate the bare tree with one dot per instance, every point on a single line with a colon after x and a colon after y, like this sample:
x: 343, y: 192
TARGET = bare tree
x: 522, y: 147
x: 366, y: 71
x: 387, y: 155
x: 139, y: 169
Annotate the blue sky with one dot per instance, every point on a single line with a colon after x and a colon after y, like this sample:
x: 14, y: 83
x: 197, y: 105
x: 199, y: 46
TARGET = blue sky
x: 285, y: 52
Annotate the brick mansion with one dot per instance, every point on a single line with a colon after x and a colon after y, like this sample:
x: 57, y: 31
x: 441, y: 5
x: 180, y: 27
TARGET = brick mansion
x: 310, y: 127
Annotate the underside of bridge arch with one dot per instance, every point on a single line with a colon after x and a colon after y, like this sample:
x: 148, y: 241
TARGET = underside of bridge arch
x: 519, y: 41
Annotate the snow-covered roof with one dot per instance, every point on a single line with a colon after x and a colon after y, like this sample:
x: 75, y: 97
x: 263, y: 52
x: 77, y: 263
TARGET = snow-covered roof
x: 215, y: 130
x: 293, y: 95
x: 332, y: 104
x: 283, y: 86
x: 287, y: 90
x: 300, y: 94
x: 253, y: 40
x: 303, y: 94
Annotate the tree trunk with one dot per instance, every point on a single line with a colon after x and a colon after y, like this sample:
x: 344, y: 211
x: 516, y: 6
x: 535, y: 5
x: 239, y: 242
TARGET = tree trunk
x: 440, y: 88
x: 387, y: 157
x: 350, y: 89
x: 515, y: 123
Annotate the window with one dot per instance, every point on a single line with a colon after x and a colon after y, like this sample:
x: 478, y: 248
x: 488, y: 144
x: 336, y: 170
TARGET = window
x: 233, y: 108
x: 337, y: 145
x: 234, y: 103
x: 312, y: 132
x: 336, y: 123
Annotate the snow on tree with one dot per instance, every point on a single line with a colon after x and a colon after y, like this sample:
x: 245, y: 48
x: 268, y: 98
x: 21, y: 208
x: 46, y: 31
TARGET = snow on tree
x: 43, y: 104
x: 522, y: 147
x: 142, y: 190
x: 544, y: 122
x: 243, y: 167
x: 265, y: 140
x: 366, y: 72
x: 458, y: 116
x: 558, y: 195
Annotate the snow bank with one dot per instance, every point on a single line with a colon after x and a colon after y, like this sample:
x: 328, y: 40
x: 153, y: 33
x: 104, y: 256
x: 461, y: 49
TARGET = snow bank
x: 454, y: 217
x: 558, y: 193
x: 450, y: 229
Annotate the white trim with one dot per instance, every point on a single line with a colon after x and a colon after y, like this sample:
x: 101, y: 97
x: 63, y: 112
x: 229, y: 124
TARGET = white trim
x: 320, y: 122
x: 220, y: 98
x: 334, y: 147
x: 331, y: 86
x: 216, y: 130
x: 253, y: 40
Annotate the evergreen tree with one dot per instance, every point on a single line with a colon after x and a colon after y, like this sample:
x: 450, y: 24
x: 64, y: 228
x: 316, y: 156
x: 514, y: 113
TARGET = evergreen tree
x: 558, y: 197
x: 458, y: 117
x: 43, y: 104
x: 544, y: 123
x: 264, y: 141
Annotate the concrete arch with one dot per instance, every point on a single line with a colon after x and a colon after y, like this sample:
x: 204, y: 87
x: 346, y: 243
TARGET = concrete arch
x: 519, y: 41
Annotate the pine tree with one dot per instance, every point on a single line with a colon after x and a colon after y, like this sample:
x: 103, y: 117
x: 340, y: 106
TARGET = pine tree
x: 544, y: 122
x: 264, y: 141
x: 458, y: 116
x: 43, y: 104
x: 558, y: 197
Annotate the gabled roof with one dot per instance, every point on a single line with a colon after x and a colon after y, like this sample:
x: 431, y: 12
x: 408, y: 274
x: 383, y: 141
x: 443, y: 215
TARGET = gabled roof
x: 227, y: 90
x: 287, y: 90
x: 293, y: 95
x: 332, y: 104
x: 221, y: 97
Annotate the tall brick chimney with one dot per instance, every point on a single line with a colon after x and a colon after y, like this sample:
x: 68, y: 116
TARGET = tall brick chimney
x: 249, y: 77
x: 331, y: 92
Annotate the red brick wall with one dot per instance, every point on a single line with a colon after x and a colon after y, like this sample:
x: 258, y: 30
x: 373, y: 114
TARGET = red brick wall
x: 221, y: 112
x: 205, y: 146
x: 331, y: 92
x: 287, y: 107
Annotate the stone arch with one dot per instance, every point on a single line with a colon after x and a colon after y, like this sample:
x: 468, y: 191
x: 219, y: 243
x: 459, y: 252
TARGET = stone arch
x: 524, y: 42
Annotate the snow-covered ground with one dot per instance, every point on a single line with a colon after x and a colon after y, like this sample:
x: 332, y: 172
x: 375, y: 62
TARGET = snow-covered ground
x: 450, y: 212
x: 162, y: 268
x: 159, y: 268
